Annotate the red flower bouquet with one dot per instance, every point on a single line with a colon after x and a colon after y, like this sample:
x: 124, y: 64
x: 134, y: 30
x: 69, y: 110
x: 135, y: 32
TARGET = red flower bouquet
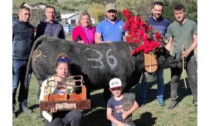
x: 140, y: 33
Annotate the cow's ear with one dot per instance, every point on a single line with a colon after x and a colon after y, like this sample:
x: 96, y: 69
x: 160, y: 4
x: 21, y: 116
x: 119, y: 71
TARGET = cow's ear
x: 135, y: 54
x: 162, y: 51
x: 165, y: 41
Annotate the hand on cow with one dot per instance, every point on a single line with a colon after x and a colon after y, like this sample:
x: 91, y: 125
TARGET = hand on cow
x: 168, y: 47
x: 81, y: 42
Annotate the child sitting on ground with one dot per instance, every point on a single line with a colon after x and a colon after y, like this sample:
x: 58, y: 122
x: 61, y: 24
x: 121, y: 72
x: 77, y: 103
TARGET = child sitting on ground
x: 116, y: 111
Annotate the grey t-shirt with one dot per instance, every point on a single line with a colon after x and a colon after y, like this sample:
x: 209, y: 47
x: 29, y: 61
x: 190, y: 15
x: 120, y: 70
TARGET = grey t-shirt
x: 117, y: 107
x: 182, y: 35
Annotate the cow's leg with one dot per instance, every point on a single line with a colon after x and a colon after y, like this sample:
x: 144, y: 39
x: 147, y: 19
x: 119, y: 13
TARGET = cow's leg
x: 88, y: 93
x: 107, y: 94
x: 39, y: 88
x: 126, y: 87
x: 38, y: 96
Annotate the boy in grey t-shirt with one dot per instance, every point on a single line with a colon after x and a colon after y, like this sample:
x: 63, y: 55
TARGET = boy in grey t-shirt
x: 115, y: 109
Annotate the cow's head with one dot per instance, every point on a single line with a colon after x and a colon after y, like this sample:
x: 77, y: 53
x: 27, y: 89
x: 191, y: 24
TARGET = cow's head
x: 164, y: 59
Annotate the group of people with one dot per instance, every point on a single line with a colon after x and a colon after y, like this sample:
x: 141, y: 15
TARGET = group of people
x: 109, y: 30
x: 22, y: 40
x: 181, y: 33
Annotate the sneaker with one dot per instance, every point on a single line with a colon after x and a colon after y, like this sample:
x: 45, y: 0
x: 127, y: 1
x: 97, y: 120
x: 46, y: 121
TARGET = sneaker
x: 26, y: 110
x: 172, y: 104
x: 160, y: 101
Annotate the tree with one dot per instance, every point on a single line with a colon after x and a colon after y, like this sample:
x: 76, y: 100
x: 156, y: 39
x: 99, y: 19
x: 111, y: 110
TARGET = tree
x: 58, y: 16
x: 36, y: 16
x: 143, y: 8
x: 192, y: 10
x: 137, y: 7
x: 190, y: 5
x: 97, y: 11
x: 168, y: 9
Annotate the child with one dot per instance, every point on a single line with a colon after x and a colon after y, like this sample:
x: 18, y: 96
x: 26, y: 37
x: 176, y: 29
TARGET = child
x: 54, y: 117
x: 115, y: 112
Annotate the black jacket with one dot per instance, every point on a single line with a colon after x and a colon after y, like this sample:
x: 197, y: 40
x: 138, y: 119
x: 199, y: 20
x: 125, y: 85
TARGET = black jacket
x: 22, y: 39
x: 51, y: 29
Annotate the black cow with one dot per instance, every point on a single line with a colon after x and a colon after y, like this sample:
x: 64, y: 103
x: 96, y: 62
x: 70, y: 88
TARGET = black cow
x: 98, y: 63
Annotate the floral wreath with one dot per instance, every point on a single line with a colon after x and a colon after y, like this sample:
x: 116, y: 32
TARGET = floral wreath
x: 140, y: 32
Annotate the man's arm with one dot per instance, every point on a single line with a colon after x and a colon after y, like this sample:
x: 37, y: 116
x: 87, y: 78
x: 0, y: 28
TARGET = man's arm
x: 98, y: 38
x: 168, y: 46
x: 33, y: 36
x: 13, y: 32
x: 192, y: 47
x: 62, y: 34
x: 38, y: 31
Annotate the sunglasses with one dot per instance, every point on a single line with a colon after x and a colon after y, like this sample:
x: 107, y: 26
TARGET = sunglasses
x: 66, y: 60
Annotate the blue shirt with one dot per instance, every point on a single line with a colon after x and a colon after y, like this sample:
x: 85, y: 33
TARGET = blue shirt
x: 159, y: 25
x: 111, y: 32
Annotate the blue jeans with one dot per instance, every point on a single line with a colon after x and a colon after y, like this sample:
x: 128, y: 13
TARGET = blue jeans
x: 160, y: 85
x: 18, y: 76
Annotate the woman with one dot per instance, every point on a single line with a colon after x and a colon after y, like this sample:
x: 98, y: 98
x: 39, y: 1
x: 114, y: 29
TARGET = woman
x: 84, y: 32
x: 54, y: 117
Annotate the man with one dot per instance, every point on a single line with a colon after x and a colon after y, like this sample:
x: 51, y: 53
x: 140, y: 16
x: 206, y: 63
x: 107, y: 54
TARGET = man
x: 182, y: 35
x: 159, y: 24
x: 110, y: 29
x: 49, y: 26
x: 22, y: 40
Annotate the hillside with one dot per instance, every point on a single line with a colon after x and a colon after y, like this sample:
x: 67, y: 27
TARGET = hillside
x: 16, y: 3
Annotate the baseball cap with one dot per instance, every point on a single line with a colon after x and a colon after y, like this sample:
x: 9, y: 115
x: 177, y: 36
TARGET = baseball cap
x: 110, y: 6
x: 115, y: 82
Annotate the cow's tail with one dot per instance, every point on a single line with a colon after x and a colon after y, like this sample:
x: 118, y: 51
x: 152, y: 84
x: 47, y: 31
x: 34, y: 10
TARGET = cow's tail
x: 29, y: 67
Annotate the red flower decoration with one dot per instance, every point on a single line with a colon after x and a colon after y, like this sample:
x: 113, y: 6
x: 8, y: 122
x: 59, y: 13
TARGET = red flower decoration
x: 141, y: 33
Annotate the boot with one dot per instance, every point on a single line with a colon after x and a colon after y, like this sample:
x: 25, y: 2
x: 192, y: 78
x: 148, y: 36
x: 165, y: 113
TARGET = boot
x: 172, y: 104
